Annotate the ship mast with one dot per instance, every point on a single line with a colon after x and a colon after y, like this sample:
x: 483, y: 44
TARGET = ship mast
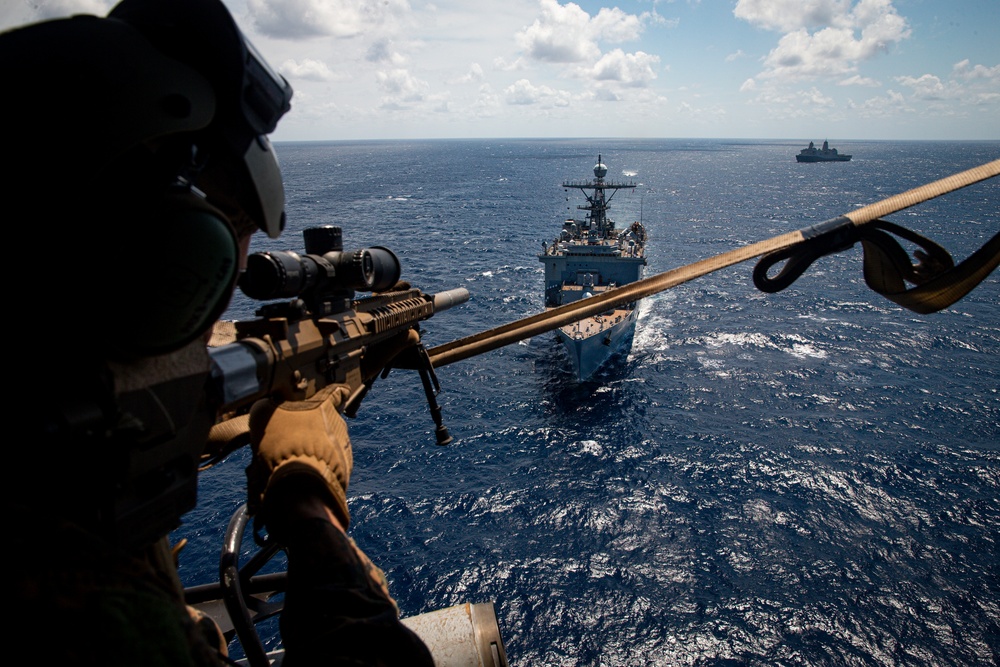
x: 598, y: 201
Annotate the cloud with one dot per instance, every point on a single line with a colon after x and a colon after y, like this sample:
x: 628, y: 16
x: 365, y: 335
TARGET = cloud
x: 487, y: 103
x: 51, y: 9
x: 615, y: 26
x: 859, y: 81
x: 969, y: 84
x: 890, y: 105
x: 963, y: 71
x: 289, y: 19
x: 559, y: 36
x: 474, y: 75
x: 630, y: 69
x: 523, y: 92
x: 603, y: 94
x: 568, y: 34
x: 400, y: 86
x: 380, y: 51
x: 500, y: 63
x: 790, y: 15
x: 308, y: 69
x: 814, y: 97
x: 823, y: 38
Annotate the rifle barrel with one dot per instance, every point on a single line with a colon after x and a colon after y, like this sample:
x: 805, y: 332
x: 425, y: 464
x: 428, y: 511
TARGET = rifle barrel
x: 449, y: 298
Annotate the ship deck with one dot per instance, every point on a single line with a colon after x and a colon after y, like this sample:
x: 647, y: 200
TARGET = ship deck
x: 595, y: 326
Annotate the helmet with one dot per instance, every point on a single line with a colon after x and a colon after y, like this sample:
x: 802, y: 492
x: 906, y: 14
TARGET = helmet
x: 139, y: 151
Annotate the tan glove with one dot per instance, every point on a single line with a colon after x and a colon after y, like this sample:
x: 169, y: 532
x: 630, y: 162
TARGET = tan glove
x: 307, y: 438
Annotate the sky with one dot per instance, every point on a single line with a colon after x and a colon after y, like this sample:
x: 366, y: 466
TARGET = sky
x: 754, y: 69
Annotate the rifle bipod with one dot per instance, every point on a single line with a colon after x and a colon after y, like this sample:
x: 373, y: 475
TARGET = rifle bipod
x: 415, y: 359
x: 431, y: 389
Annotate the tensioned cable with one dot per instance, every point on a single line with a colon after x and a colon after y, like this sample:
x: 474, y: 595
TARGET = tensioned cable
x: 507, y: 334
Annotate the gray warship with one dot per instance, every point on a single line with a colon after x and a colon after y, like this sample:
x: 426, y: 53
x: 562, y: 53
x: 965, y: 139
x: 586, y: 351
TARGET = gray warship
x: 825, y: 154
x: 590, y: 256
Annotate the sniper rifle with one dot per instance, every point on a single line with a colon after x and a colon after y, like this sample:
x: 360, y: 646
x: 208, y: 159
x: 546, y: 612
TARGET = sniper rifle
x: 321, y: 333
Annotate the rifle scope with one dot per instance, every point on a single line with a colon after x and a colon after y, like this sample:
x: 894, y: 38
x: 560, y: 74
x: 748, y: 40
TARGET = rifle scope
x: 325, y: 268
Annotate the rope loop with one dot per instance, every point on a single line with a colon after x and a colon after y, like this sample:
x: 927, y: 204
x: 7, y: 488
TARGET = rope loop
x: 832, y: 236
x: 935, y: 279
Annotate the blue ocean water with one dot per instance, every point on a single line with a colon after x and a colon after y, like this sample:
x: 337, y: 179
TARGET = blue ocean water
x: 803, y: 478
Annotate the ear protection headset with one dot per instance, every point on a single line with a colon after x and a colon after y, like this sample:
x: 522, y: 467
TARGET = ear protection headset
x: 170, y: 267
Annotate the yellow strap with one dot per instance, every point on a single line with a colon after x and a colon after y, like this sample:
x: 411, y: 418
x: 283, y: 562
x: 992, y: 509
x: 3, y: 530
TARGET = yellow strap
x: 884, y: 274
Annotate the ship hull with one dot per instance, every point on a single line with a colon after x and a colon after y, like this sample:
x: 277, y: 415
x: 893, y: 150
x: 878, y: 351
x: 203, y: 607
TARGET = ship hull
x: 819, y: 158
x: 590, y: 345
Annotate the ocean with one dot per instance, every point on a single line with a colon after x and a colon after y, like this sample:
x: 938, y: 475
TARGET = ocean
x: 804, y: 478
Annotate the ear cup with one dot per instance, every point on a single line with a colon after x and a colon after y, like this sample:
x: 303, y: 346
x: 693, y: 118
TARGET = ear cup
x: 170, y: 274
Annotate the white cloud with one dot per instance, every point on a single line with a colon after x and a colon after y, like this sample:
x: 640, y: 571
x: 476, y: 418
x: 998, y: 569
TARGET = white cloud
x: 474, y: 75
x: 560, y: 35
x: 790, y: 15
x: 816, y: 98
x: 824, y: 38
x: 291, y: 19
x: 380, y: 51
x: 602, y: 94
x: 614, y: 25
x: 308, y: 69
x: 964, y: 71
x: 888, y: 106
x: 401, y: 86
x: 523, y: 92
x: 568, y: 34
x: 630, y: 69
x: 503, y: 65
x: 487, y: 103
x: 927, y: 87
x: 857, y: 80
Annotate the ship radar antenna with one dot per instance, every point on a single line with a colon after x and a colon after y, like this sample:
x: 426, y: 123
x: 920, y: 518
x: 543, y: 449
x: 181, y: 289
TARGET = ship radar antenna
x: 600, y: 171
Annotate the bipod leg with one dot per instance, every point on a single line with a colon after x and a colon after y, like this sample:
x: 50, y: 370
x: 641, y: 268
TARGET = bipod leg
x: 431, y: 389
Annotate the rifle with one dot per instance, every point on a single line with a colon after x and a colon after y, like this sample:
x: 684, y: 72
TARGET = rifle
x: 321, y: 333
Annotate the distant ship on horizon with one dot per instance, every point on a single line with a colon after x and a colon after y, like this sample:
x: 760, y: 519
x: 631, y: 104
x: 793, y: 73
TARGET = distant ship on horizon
x: 825, y: 154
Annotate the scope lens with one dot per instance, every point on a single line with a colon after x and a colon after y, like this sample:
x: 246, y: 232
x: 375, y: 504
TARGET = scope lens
x: 385, y: 267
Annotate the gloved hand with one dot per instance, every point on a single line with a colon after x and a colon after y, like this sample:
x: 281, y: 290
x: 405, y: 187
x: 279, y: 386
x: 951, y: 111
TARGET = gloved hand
x: 307, y: 439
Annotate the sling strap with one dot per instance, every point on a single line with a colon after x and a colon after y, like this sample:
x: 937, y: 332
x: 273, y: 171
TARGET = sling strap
x: 888, y: 270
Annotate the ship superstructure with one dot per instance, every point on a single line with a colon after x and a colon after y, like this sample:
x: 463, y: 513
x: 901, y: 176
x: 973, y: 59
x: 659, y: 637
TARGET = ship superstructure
x: 591, y: 256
